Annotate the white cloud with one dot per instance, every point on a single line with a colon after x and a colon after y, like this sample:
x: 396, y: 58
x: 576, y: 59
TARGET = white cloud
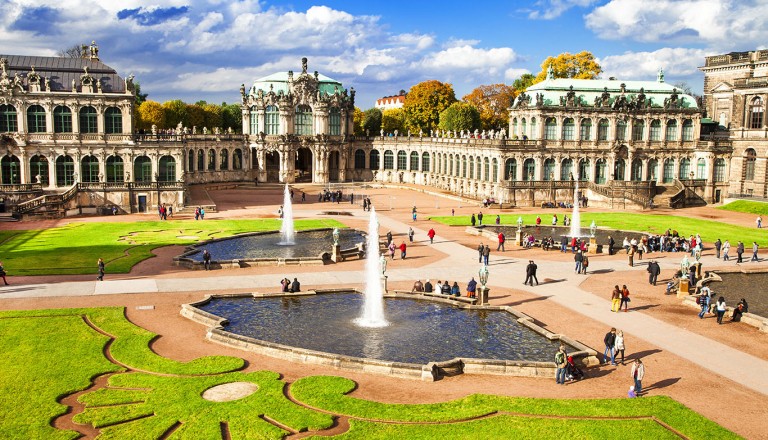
x: 677, y: 62
x: 512, y: 74
x: 551, y: 9
x: 468, y: 58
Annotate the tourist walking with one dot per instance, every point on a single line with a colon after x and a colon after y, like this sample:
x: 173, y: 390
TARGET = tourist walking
x: 100, y: 265
x: 486, y: 254
x: 739, y: 252
x: 631, y: 256
x: 202, y: 213
x: 431, y: 235
x: 726, y: 249
x: 720, y: 308
x: 480, y: 249
x: 402, y: 250
x: 3, y: 274
x: 759, y: 222
x: 578, y: 258
x: 624, y: 297
x: 502, y: 239
x: 206, y: 259
x: 584, y: 262
x: 498, y: 220
x: 410, y: 234
x: 472, y: 219
x: 413, y: 213
x: 638, y: 372
x: 704, y: 300
x: 718, y: 244
x: 616, y: 299
x: 754, y: 252
x: 619, y: 345
x: 530, y: 273
x: 610, y: 341
x: 611, y: 242
x: 560, y: 362
x: 480, y: 218
x: 391, y: 249
x: 653, y: 272
x: 389, y: 237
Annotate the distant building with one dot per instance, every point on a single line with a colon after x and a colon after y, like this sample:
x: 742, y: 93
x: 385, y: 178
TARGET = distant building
x: 390, y: 102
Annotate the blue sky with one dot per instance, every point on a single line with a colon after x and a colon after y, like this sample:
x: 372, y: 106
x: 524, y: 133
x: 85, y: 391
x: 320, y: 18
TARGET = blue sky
x: 204, y: 49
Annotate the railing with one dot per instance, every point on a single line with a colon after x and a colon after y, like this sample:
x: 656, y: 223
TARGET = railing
x: 29, y: 205
x: 678, y: 199
x: 21, y: 187
x: 760, y: 81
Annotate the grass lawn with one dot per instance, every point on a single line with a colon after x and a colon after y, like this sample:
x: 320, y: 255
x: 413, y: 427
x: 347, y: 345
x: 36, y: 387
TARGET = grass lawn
x: 746, y: 206
x: 48, y: 354
x: 655, y: 223
x: 74, y: 249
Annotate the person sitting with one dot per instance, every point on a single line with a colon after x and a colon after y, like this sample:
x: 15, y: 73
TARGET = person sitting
x: 285, y: 283
x: 439, y: 287
x: 446, y: 288
x: 418, y: 287
x: 455, y: 289
x: 471, y: 288
x: 206, y: 259
x: 295, y: 286
x: 673, y: 283
x: 428, y: 287
x: 739, y: 310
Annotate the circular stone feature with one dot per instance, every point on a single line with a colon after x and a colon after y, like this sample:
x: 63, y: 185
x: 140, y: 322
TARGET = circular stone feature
x: 230, y: 391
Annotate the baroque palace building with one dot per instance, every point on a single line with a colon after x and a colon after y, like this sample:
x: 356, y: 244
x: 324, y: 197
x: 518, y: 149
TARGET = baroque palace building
x: 68, y: 142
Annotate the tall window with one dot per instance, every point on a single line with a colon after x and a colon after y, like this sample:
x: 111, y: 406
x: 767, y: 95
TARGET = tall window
x: 303, y: 123
x: 414, y: 161
x: 463, y: 166
x: 359, y: 159
x: 36, y: 119
x: 685, y: 168
x: 585, y: 133
x: 600, y: 171
x: 200, y: 160
x: 688, y: 130
x: 389, y: 160
x: 494, y: 170
x: 637, y: 170
x: 583, y: 170
x: 167, y: 169
x: 38, y: 166
x: 749, y: 164
x: 550, y: 129
x: 653, y: 166
x: 618, y: 169
x: 62, y: 119
x: 237, y: 159
x: 9, y: 168
x: 529, y: 169
x: 671, y: 130
x: 224, y: 159
x: 88, y: 123
x: 254, y: 120
x: 534, y: 132
x: 568, y: 129
x: 549, y: 168
x: 719, y: 170
x: 638, y: 127
x: 523, y: 128
x: 402, y: 160
x: 211, y: 160
x: 472, y: 167
x: 334, y: 120
x: 142, y: 169
x: 602, y: 130
x: 510, y: 169
x: 655, y: 130
x: 272, y: 120
x: 486, y: 169
x: 514, y: 127
x: 191, y: 160
x: 425, y: 161
x: 374, y: 160
x: 65, y: 171
x: 701, y: 169
x: 89, y: 169
x: 621, y: 130
x: 566, y: 169
x: 113, y: 121
x: 8, y: 121
x: 669, y: 171
x: 115, y: 172
x: 756, y: 112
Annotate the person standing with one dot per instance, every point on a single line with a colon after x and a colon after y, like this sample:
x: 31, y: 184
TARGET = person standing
x: 471, y: 288
x: 486, y: 254
x: 530, y: 273
x: 498, y: 219
x: 624, y: 297
x: 726, y: 249
x: 389, y: 237
x: 739, y: 251
x: 480, y: 249
x: 431, y: 235
x: 410, y: 234
x: 754, y: 252
x: 720, y: 308
x: 653, y: 272
x: 759, y: 222
x: 472, y: 219
x: 609, y: 340
x: 704, y: 300
x: 584, y: 262
x: 413, y: 213
x: 480, y: 218
x: 502, y: 239
x: 391, y: 248
x: 616, y: 299
x: 631, y: 256
x: 202, y: 213
x: 638, y: 372
x: 100, y: 265
x: 619, y: 347
x: 402, y: 250
x: 611, y: 242
x: 718, y: 244
x: 560, y: 362
x: 3, y: 274
x: 578, y: 258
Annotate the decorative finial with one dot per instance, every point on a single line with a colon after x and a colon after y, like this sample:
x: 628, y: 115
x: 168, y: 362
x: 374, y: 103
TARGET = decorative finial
x: 660, y: 76
x: 304, y: 65
x: 550, y: 72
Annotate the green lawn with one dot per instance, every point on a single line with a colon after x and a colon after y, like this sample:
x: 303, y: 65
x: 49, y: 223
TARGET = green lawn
x: 747, y: 206
x: 75, y: 248
x: 655, y: 223
x: 48, y: 354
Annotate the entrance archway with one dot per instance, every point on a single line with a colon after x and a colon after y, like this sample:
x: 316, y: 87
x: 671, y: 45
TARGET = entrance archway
x: 273, y: 166
x: 333, y: 166
x: 303, y: 165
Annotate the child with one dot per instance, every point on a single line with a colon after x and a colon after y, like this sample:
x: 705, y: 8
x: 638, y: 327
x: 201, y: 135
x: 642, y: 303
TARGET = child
x: 631, y: 393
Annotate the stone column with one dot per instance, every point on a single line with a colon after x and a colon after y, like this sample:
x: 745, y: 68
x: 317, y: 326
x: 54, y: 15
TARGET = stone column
x: 246, y: 122
x: 24, y: 167
x: 76, y: 120
x: 100, y: 119
x: 52, y: 171
x: 286, y: 122
x: 48, y: 117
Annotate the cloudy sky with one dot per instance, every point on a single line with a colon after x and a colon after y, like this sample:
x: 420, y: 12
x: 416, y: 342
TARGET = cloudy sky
x: 204, y: 49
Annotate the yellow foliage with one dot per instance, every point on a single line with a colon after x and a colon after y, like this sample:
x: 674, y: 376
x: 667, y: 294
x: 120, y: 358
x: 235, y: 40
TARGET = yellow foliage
x: 579, y: 66
x: 151, y: 113
x: 493, y: 102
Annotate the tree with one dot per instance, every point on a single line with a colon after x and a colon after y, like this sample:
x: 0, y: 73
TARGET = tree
x: 423, y: 105
x: 492, y: 101
x: 357, y: 121
x: 140, y: 97
x: 75, y: 51
x: 150, y: 113
x: 393, y: 119
x: 372, y: 121
x: 195, y: 116
x: 213, y: 115
x: 460, y: 116
x: 522, y: 83
x: 232, y: 116
x: 175, y: 112
x: 580, y: 66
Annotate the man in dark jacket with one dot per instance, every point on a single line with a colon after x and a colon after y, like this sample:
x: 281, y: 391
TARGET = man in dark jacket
x: 530, y: 273
x: 739, y: 252
x: 295, y: 286
x: 471, y: 288
x: 611, y: 242
x: 428, y: 287
x: 718, y: 245
x: 610, y: 341
x: 653, y: 272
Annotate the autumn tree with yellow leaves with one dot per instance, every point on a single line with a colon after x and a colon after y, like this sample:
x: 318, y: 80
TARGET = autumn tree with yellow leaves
x: 493, y: 102
x: 566, y: 65
x: 424, y: 103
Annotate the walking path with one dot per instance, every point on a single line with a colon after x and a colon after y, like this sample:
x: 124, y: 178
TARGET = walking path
x: 562, y: 288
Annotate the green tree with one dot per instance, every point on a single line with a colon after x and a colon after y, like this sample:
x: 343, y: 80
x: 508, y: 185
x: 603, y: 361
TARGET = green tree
x: 460, y: 116
x: 175, y: 112
x: 140, y: 97
x: 393, y: 119
x: 195, y: 117
x: 357, y: 121
x: 493, y: 102
x: 521, y: 84
x: 579, y: 66
x: 372, y: 121
x: 150, y: 113
x: 232, y: 116
x: 424, y: 103
x: 213, y: 115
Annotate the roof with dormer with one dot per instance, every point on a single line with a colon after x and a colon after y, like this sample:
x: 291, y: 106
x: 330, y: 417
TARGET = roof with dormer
x: 278, y: 81
x: 60, y: 71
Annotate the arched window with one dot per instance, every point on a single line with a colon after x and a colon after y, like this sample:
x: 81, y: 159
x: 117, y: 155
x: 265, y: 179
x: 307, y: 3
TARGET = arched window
x: 529, y: 170
x: 463, y: 165
x: 602, y: 130
x: 89, y: 169
x: 62, y: 119
x: 618, y: 169
x: 756, y: 112
x: 65, y: 171
x: 568, y: 126
x: 36, y: 119
x: 237, y: 159
x: 486, y: 169
x: 272, y: 120
x: 494, y: 170
x: 471, y: 167
x: 719, y: 170
x: 685, y: 168
x: 583, y: 170
x: 637, y: 170
x: 549, y: 169
x: 701, y: 168
x: 425, y: 162
x: 655, y: 130
x: 167, y: 169
x: 10, y: 169
x: 191, y: 160
x: 374, y: 160
x: 514, y: 127
x: 600, y: 175
x: 88, y: 123
x: 334, y: 121
x: 303, y: 123
x: 200, y: 160
x: 211, y: 160
x: 668, y: 175
x: 534, y: 132
x: 113, y: 121
x: 638, y: 127
x: 523, y: 128
x: 585, y: 133
x: 402, y: 160
x: 550, y: 129
x: 389, y: 160
x: 254, y: 120
x: 359, y: 159
x: 671, y: 130
x: 38, y: 166
x: 115, y: 172
x: 445, y: 163
x: 414, y: 161
x: 566, y: 169
x: 749, y: 164
x: 510, y: 169
x: 142, y: 169
x: 621, y: 130
x: 8, y: 120
x: 224, y: 159
x: 688, y: 130
x: 653, y: 170
x: 450, y: 165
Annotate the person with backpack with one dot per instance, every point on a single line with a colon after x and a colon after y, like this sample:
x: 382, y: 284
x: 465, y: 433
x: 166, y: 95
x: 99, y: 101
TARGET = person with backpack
x: 560, y: 362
